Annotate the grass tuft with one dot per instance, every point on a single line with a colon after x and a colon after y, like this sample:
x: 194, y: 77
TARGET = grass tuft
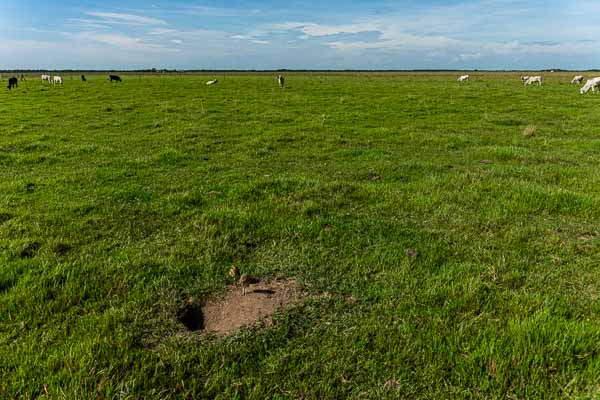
x: 530, y: 131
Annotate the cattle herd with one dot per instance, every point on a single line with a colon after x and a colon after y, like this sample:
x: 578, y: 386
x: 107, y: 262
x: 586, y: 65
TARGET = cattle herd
x: 591, y: 84
x: 54, y: 80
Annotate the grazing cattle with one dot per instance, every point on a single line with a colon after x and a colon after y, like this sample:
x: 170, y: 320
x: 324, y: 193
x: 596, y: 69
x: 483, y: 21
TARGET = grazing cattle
x: 114, y: 78
x: 577, y: 80
x: 57, y: 80
x: 13, y: 83
x: 534, y: 79
x: 463, y: 78
x: 281, y: 80
x: 591, y: 84
x: 83, y: 78
x: 524, y: 78
x: 46, y: 78
x: 213, y: 82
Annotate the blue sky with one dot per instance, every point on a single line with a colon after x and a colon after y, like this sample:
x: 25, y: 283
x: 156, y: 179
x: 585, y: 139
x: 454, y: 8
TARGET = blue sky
x: 295, y: 34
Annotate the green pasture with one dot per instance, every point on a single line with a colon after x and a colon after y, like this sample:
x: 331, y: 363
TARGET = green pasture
x: 447, y: 236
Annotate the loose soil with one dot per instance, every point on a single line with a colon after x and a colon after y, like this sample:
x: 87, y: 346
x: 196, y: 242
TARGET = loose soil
x: 226, y: 315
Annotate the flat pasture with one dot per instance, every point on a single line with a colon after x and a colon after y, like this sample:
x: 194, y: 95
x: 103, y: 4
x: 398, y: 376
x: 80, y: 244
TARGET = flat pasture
x: 446, y: 235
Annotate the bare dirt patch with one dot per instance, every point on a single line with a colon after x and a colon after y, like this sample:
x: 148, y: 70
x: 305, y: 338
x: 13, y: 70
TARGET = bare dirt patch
x: 225, y: 315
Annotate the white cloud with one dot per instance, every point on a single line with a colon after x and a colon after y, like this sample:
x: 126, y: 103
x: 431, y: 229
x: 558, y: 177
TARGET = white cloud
x: 311, y: 29
x: 128, y: 19
x: 241, y: 37
x: 120, y: 41
x: 161, y: 31
x: 205, y: 11
x: 84, y: 23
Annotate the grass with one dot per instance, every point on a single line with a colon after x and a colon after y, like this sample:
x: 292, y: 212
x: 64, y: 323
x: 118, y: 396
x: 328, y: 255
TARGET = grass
x: 431, y: 274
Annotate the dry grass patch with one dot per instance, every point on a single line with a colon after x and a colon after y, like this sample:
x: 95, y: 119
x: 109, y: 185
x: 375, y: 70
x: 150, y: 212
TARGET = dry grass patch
x: 530, y: 131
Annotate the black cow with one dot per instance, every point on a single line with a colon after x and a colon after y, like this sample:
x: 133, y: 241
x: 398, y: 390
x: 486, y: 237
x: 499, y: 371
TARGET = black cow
x: 13, y: 83
x: 83, y: 78
x: 115, y: 78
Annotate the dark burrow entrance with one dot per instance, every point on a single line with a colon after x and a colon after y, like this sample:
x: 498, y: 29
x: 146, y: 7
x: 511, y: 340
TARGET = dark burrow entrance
x: 192, y: 318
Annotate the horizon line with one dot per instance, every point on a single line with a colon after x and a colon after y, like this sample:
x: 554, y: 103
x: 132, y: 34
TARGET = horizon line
x: 176, y: 70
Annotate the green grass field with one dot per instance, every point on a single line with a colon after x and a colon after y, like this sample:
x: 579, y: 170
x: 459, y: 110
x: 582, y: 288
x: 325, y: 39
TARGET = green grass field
x: 119, y: 203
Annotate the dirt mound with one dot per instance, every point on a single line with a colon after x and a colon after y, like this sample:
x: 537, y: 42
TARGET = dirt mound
x: 224, y: 316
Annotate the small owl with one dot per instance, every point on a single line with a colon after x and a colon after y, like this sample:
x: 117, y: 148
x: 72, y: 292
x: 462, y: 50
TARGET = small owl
x: 244, y: 282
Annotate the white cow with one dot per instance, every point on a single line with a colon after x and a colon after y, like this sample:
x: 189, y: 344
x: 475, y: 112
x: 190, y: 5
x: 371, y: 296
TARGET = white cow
x: 534, y: 79
x: 463, y: 78
x: 213, y: 82
x: 46, y: 78
x: 578, y: 79
x: 524, y: 78
x: 57, y: 80
x: 281, y: 81
x: 591, y: 84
